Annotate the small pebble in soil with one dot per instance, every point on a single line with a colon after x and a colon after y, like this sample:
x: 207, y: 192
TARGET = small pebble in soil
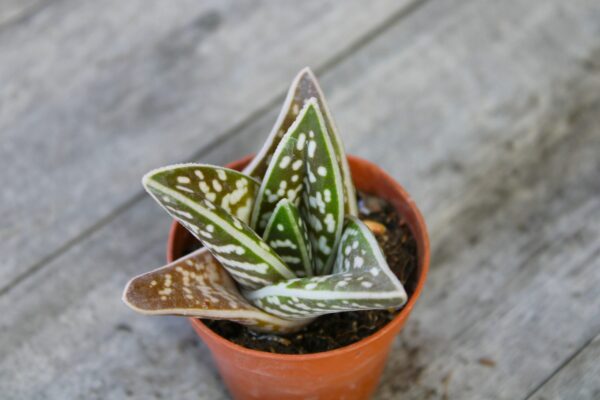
x: 341, y: 329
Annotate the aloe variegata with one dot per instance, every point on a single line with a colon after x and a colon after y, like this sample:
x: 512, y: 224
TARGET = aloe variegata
x: 282, y: 243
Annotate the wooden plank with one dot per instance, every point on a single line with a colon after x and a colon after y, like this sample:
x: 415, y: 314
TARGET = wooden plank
x: 504, y: 161
x: 493, y: 200
x: 547, y: 310
x: 576, y: 380
x: 70, y: 336
x: 85, y: 355
x: 95, y: 94
x: 13, y: 12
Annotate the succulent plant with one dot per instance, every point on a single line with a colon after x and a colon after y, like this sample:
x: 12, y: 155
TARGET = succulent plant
x: 282, y: 243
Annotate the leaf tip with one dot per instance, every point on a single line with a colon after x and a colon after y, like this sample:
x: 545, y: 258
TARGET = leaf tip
x: 126, y: 298
x: 308, y: 72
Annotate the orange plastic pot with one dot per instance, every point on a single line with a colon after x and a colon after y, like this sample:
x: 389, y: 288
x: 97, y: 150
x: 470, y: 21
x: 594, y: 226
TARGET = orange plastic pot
x: 350, y: 372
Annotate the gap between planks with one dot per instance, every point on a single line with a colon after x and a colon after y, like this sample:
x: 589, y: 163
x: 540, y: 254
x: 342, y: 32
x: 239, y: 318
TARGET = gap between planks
x: 439, y: 221
x: 566, y: 363
x: 326, y: 66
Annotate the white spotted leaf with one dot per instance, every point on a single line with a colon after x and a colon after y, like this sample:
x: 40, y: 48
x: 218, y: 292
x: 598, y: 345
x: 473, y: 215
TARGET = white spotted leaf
x: 286, y: 234
x: 296, y: 193
x: 250, y: 261
x: 227, y: 188
x: 322, y: 205
x: 304, y: 171
x: 361, y: 280
x: 305, y: 87
x: 285, y: 175
x: 198, y: 286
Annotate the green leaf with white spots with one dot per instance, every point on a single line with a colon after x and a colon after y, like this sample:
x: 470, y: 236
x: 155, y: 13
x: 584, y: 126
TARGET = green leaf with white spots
x: 322, y: 205
x: 249, y: 260
x: 286, y: 234
x: 299, y: 204
x: 361, y: 280
x: 198, y: 286
x: 231, y: 190
x: 285, y: 176
x: 305, y: 87
x: 304, y: 167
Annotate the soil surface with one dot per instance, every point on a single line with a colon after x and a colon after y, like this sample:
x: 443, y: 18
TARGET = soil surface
x: 333, y: 331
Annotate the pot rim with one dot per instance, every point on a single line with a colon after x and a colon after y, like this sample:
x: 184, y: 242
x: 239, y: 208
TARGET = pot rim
x: 390, y: 326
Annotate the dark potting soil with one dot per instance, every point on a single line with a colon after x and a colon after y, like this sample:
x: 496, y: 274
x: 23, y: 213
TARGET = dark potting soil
x: 332, y: 331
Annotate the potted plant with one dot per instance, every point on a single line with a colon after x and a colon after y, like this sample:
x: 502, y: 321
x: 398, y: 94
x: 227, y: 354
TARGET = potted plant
x: 283, y: 250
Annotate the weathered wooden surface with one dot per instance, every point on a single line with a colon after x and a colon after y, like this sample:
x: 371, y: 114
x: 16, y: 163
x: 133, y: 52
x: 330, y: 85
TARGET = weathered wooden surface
x: 487, y: 112
x: 576, y: 380
x: 95, y: 94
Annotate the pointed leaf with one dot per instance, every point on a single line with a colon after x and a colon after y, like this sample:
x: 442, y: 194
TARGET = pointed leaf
x: 304, y: 162
x: 322, y: 205
x: 285, y: 175
x: 229, y: 189
x: 361, y: 280
x: 286, y: 234
x: 304, y: 87
x: 250, y: 261
x: 198, y: 286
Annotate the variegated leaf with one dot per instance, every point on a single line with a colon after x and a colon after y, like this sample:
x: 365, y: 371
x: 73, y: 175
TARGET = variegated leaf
x: 303, y: 88
x: 227, y: 188
x: 304, y: 164
x: 198, y: 286
x: 285, y: 175
x: 250, y: 261
x: 322, y: 205
x: 286, y: 234
x: 361, y: 280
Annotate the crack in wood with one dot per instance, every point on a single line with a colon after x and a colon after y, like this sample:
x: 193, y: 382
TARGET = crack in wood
x: 328, y: 65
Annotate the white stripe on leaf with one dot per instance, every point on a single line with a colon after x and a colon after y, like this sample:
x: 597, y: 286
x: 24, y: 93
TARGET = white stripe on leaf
x: 227, y: 231
x: 317, y: 212
x: 353, y: 285
x: 288, y: 238
x: 198, y: 286
x: 304, y: 87
x: 227, y: 188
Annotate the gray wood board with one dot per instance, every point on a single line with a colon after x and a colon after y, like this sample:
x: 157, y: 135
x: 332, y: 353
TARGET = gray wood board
x: 94, y: 94
x: 578, y: 379
x: 488, y: 117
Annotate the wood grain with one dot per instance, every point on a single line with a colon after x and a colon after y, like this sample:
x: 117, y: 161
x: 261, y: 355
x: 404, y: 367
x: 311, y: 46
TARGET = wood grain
x: 578, y: 379
x: 96, y: 94
x: 487, y: 113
